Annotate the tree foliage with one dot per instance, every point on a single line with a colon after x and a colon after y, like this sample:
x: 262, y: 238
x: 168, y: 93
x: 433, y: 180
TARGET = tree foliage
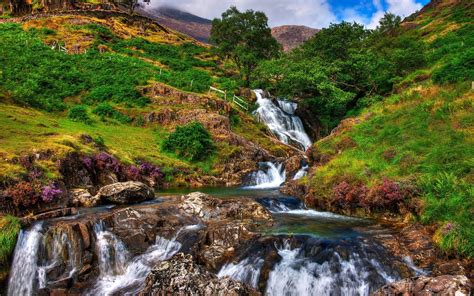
x: 192, y: 142
x: 343, y: 67
x: 245, y: 38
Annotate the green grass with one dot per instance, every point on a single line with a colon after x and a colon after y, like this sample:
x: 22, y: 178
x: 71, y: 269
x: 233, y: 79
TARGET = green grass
x: 27, y: 130
x: 428, y: 133
x: 9, y: 229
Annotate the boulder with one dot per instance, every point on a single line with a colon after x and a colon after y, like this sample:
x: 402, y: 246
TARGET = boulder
x: 82, y: 198
x: 446, y: 285
x: 210, y: 208
x: 182, y: 276
x: 126, y: 192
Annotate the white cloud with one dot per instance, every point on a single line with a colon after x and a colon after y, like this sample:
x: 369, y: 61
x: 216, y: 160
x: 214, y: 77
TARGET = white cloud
x: 313, y: 13
x: 402, y: 8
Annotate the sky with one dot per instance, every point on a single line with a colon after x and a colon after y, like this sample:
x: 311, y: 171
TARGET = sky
x: 312, y: 13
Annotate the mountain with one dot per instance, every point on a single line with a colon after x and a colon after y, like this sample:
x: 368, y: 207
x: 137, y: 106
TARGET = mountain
x: 200, y: 28
x: 178, y: 20
x: 291, y: 37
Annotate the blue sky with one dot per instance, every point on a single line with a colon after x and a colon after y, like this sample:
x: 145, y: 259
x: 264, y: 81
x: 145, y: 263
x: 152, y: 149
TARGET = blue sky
x: 312, y: 13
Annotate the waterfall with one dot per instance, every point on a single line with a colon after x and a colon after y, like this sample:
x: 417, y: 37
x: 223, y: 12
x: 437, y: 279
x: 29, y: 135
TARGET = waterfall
x: 246, y: 271
x: 24, y: 268
x: 349, y: 274
x: 301, y: 173
x: 270, y: 176
x: 119, y: 273
x: 281, y: 120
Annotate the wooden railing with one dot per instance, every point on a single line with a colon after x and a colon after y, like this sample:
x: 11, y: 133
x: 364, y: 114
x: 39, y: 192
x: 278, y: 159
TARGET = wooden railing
x: 239, y: 102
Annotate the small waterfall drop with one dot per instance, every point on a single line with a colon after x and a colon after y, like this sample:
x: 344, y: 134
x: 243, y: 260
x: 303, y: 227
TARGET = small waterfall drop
x: 24, y: 268
x: 349, y: 274
x: 119, y: 273
x: 247, y: 271
x: 269, y: 176
x: 301, y: 173
x: 281, y: 120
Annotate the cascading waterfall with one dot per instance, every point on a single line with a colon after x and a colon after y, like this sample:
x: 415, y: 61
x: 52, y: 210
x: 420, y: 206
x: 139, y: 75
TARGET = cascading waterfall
x: 315, y: 268
x: 24, y: 268
x: 121, y: 273
x: 281, y: 120
x: 270, y: 176
x: 247, y: 271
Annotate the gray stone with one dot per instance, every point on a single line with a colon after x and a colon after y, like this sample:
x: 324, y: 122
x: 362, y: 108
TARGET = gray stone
x: 126, y: 192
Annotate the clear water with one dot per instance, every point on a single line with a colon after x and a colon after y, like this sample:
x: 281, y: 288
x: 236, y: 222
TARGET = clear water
x: 319, y: 253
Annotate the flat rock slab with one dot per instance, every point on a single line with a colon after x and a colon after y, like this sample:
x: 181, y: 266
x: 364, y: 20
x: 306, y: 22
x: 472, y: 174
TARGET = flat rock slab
x: 126, y: 192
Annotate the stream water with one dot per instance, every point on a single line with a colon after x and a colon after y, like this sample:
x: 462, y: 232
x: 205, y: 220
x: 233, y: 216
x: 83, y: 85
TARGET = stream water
x: 305, y: 252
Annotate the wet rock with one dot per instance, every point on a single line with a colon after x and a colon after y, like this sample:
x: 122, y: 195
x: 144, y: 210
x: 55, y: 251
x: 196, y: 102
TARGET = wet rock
x: 126, y: 192
x: 209, y: 208
x: 445, y: 285
x: 82, y: 198
x: 26, y: 221
x: 220, y: 241
x: 181, y: 275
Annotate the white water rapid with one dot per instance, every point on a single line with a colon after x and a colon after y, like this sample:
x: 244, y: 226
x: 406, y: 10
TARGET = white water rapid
x: 269, y: 176
x: 282, y: 121
x: 24, y: 267
x: 119, y: 273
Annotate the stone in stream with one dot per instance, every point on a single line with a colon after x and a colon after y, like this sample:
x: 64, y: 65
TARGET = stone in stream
x: 126, y: 192
x: 82, y: 198
x: 446, y: 285
x: 181, y: 275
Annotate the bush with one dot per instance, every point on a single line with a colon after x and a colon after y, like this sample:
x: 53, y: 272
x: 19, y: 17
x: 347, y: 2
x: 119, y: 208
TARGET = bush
x: 79, y: 113
x: 25, y: 193
x: 458, y: 68
x: 192, y: 142
x: 50, y: 193
x: 105, y: 110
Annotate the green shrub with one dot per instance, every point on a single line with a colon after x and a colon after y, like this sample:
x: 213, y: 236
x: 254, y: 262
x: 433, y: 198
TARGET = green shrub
x: 79, y: 113
x: 105, y: 110
x: 192, y: 142
x: 458, y: 68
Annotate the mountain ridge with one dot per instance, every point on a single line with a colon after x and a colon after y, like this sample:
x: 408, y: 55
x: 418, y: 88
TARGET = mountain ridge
x: 289, y: 36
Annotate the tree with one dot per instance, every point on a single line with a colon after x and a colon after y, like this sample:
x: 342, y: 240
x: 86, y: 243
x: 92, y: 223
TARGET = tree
x: 390, y: 23
x: 245, y: 38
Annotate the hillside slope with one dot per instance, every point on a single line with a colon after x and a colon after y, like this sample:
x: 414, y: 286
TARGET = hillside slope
x: 411, y: 156
x: 135, y: 81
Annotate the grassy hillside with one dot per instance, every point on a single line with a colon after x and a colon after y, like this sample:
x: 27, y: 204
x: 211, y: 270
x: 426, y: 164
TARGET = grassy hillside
x: 105, y: 70
x: 412, y: 154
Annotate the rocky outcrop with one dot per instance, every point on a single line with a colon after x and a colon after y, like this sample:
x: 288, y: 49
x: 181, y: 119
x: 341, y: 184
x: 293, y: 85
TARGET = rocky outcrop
x: 209, y: 208
x: 181, y: 275
x: 291, y: 37
x: 446, y: 285
x: 28, y: 220
x: 82, y: 198
x: 126, y: 192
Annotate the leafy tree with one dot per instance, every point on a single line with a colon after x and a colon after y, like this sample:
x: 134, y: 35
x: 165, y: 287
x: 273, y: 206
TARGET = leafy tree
x: 191, y: 141
x: 389, y: 23
x: 309, y: 79
x: 245, y: 38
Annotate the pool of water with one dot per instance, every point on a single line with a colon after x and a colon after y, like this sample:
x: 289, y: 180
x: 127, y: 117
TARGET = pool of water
x: 290, y: 214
